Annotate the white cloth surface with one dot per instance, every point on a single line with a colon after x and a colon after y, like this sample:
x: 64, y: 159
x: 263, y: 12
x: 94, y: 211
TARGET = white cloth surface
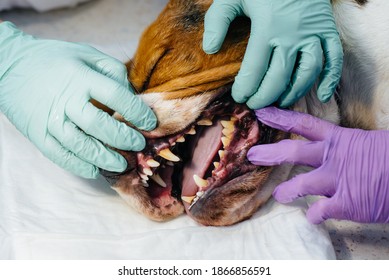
x: 39, y: 5
x: 47, y: 213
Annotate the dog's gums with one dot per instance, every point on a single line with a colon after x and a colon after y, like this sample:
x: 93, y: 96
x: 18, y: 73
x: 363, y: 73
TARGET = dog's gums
x: 205, y: 155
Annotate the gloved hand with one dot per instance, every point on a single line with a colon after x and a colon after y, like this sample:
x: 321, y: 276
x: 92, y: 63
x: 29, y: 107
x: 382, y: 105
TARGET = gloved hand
x: 284, y: 56
x: 45, y: 89
x: 352, y: 166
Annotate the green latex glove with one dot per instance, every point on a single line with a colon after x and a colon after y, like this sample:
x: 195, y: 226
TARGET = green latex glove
x: 284, y: 56
x: 45, y: 89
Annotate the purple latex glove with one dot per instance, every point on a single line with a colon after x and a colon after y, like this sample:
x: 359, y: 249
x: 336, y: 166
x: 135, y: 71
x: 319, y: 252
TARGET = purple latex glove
x: 352, y: 166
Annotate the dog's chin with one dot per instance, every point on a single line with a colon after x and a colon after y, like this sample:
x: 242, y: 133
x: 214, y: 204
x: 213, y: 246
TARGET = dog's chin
x: 198, y: 161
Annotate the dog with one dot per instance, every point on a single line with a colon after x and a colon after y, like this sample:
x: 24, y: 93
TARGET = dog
x: 195, y: 160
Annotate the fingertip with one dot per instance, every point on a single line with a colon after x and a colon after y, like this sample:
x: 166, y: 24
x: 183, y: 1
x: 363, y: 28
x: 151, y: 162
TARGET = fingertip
x: 314, y: 218
x: 316, y: 213
x: 238, y: 94
x: 324, y: 93
x: 255, y: 104
x: 94, y: 173
x: 86, y: 171
x: 150, y: 123
x: 267, y: 112
x: 138, y: 142
x: 287, y: 101
x: 118, y: 165
x: 211, y: 42
x: 253, y: 155
x: 280, y: 196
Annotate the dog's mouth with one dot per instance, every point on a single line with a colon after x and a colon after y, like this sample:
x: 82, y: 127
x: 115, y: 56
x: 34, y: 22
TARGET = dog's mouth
x: 207, y: 155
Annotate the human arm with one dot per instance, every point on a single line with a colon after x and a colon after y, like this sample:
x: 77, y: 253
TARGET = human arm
x: 351, y: 166
x: 284, y: 56
x: 45, y: 91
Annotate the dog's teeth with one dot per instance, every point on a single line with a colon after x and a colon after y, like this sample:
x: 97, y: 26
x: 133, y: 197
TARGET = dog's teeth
x: 221, y: 154
x: 145, y: 184
x: 233, y: 119
x: 147, y: 171
x: 167, y: 154
x: 144, y: 176
x: 200, y: 194
x: 188, y: 199
x: 205, y: 122
x: 156, y: 178
x: 181, y: 139
x: 227, y: 124
x: 192, y: 131
x: 201, y: 183
x: 216, y: 164
x: 226, y: 141
x: 228, y: 131
x: 153, y: 163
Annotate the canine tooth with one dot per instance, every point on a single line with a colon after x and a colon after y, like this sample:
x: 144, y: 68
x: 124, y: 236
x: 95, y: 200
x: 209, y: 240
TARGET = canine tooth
x: 200, y: 182
x: 222, y: 154
x: 226, y: 141
x: 188, y: 199
x: 192, y: 131
x: 145, y: 184
x: 153, y: 163
x: 156, y: 178
x: 147, y: 171
x: 206, y: 122
x: 181, y: 139
x: 228, y: 131
x: 233, y: 119
x: 227, y: 124
x: 167, y: 154
x: 216, y: 164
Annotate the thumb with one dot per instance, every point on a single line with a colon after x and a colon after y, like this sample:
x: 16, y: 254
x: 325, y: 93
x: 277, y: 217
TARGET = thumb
x: 321, y: 211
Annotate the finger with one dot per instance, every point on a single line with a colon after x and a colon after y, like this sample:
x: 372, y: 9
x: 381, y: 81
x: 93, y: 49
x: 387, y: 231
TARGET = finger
x: 122, y: 100
x: 308, y: 70
x: 333, y: 55
x: 216, y: 23
x: 104, y: 127
x: 322, y: 210
x: 288, y: 151
x: 67, y: 160
x: 306, y: 125
x: 254, y: 66
x: 87, y: 148
x: 102, y: 63
x: 315, y: 182
x: 275, y: 81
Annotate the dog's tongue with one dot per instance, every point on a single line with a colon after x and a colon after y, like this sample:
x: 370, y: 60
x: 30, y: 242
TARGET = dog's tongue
x: 206, y: 145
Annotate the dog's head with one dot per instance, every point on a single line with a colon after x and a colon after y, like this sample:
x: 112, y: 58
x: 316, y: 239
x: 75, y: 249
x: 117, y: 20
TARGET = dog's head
x: 195, y: 160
